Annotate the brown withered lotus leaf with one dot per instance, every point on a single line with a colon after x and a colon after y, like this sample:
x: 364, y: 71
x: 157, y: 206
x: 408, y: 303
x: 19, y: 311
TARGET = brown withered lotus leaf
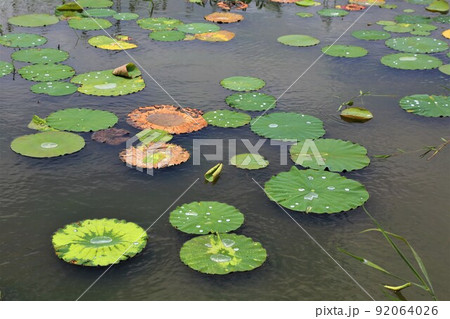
x: 217, y: 36
x: 224, y: 17
x: 154, y: 155
x: 169, y: 118
x: 128, y: 71
x: 111, y: 136
x: 228, y: 5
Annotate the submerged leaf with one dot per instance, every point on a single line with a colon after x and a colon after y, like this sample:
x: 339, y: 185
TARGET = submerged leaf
x: 111, y: 136
x: 159, y: 24
x: 148, y: 136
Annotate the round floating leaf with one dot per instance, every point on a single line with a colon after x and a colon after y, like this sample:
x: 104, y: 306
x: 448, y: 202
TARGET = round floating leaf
x: 95, y: 3
x: 106, y: 43
x: 407, y: 10
x: 412, y: 19
x: 47, y: 144
x: 242, y: 83
x: 356, y: 114
x: 41, y: 56
x: 216, y: 36
x: 125, y: 16
x: 22, y: 40
x: 252, y: 101
x: 421, y: 33
x: 111, y: 136
x: 423, y: 27
x: 344, y: 51
x: 5, y: 68
x: 332, y: 13
x: 410, y: 61
x: 222, y: 254
x: 440, y: 6
x: 226, y: 118
x: 167, y: 36
x: 154, y: 155
x: 423, y: 2
x: 305, y: 14
x: 206, y: 217
x: 249, y: 161
x: 288, y: 126
x: 371, y: 35
x: 89, y: 24
x: 442, y: 19
x: 335, y: 155
x: 104, y: 83
x: 54, y: 88
x: 368, y: 2
x: 308, y: 3
x: 417, y: 45
x: 389, y: 6
x: 399, y: 28
x: 99, y: 13
x: 443, y: 68
x: 298, y: 40
x: 313, y: 191
x: 99, y: 242
x: 386, y: 22
x: 81, y: 120
x: 426, y: 105
x: 33, y: 20
x: 159, y: 24
x: 194, y: 28
x: 224, y: 17
x: 46, y: 72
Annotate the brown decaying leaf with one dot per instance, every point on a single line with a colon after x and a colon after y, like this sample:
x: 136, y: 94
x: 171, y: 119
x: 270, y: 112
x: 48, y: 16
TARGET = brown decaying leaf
x: 166, y: 155
x: 224, y: 17
x: 351, y: 7
x: 217, y: 36
x: 228, y: 5
x: 172, y: 119
x: 111, y: 136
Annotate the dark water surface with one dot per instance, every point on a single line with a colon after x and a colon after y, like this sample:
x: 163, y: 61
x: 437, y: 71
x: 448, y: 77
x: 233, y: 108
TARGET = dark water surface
x: 409, y: 195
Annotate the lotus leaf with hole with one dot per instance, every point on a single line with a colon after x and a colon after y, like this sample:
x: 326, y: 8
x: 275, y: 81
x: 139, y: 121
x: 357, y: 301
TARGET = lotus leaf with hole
x: 46, y: 72
x: 411, y: 61
x: 298, y: 40
x: 87, y: 24
x: 194, y: 28
x: 159, y: 24
x: 40, y: 56
x: 125, y: 16
x: 39, y: 124
x: 249, y: 161
x: 417, y: 45
x: 252, y: 101
x: 371, y: 35
x: 242, y: 83
x: 22, y: 40
x: 337, y: 155
x: 81, y: 120
x: 99, y: 242
x: 106, y: 43
x: 222, y: 254
x: 54, y: 88
x: 33, y: 20
x: 148, y: 136
x: 213, y: 174
x: 344, y: 51
x: 95, y: 3
x: 202, y: 218
x: 154, y: 155
x: 224, y: 17
x: 47, y: 144
x: 332, y: 13
x: 313, y: 191
x: 426, y: 105
x: 172, y: 119
x: 288, y: 126
x: 99, y: 13
x: 226, y: 118
x: 5, y: 68
x: 111, y: 136
x: 216, y: 36
x: 356, y: 114
x: 167, y: 35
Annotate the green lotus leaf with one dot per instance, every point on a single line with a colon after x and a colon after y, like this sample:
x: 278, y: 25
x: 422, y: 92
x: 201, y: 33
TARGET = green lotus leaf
x: 288, y: 126
x: 305, y: 14
x: 68, y: 14
x: 81, y: 120
x: 249, y: 161
x: 95, y: 3
x: 86, y: 24
x: 356, y: 114
x: 242, y: 83
x: 417, y: 45
x: 371, y: 35
x: 336, y: 155
x: 39, y: 124
x: 46, y: 72
x: 148, y: 136
x: 423, y: 2
x: 54, y: 88
x: 344, y: 51
x: 106, y: 43
x: 40, y: 56
x: 423, y: 27
x: 104, y: 83
x: 426, y: 105
x: 252, y: 101
x: 47, y: 144
x: 420, y: 33
x: 410, y: 61
x: 332, y: 13
x: 125, y: 16
x: 99, y: 242
x: 443, y: 68
x: 33, y: 20
x: 399, y: 28
x: 389, y: 6
x: 70, y: 6
x: 22, y: 40
x: 445, y: 19
x: 206, y: 217
x: 213, y: 174
x: 5, y: 68
x: 308, y: 3
x: 167, y: 36
x: 440, y: 6
x: 408, y: 10
x: 386, y: 22
x: 159, y: 24
x: 99, y: 13
x: 412, y: 19
x: 196, y: 28
x: 226, y: 118
x: 313, y: 191
x: 298, y: 40
x: 222, y: 254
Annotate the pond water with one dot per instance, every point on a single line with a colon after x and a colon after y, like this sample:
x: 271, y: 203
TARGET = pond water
x: 408, y: 194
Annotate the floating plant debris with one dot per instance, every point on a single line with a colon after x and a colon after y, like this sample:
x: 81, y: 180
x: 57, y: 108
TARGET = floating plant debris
x: 81, y: 120
x: 22, y: 40
x: 426, y: 105
x: 154, y: 155
x: 226, y: 118
x: 249, y: 161
x: 242, y: 83
x: 33, y: 20
x: 120, y: 42
x: 54, y: 88
x: 40, y: 56
x: 46, y: 72
x: 111, y: 136
x: 298, y: 40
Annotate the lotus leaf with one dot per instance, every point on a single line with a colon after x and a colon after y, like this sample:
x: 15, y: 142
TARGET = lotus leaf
x: 5, y: 68
x: 420, y: 33
x: 41, y: 56
x: 386, y: 22
x: 298, y: 40
x: 226, y: 118
x: 442, y: 19
x: 22, y: 40
x: 81, y: 120
x: 54, y: 88
x: 47, y: 144
x: 371, y: 35
x: 417, y: 45
x: 356, y: 114
x: 368, y: 2
x: 107, y: 43
x: 332, y: 13
x: 222, y: 254
x: 410, y: 61
x: 252, y: 101
x: 412, y: 19
x: 249, y: 161
x: 95, y: 3
x: 111, y: 136
x: 440, y: 6
x: 154, y: 155
x: 242, y: 83
x: 288, y: 126
x: 167, y: 36
x: 423, y: 2
x: 99, y: 242
x: 224, y: 17
x: 399, y: 28
x: 46, y: 72
x: 99, y: 13
x: 344, y: 51
x: 70, y: 6
x: 216, y: 36
x: 195, y: 28
x: 284, y: 1
x: 305, y: 14
x: 446, y: 34
x: 125, y: 16
x: 33, y: 20
x: 389, y: 6
x: 445, y: 69
x: 39, y: 124
x: 148, y: 136
x: 159, y: 24
x: 213, y: 174
x: 426, y: 105
x: 307, y: 3
x: 86, y: 24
